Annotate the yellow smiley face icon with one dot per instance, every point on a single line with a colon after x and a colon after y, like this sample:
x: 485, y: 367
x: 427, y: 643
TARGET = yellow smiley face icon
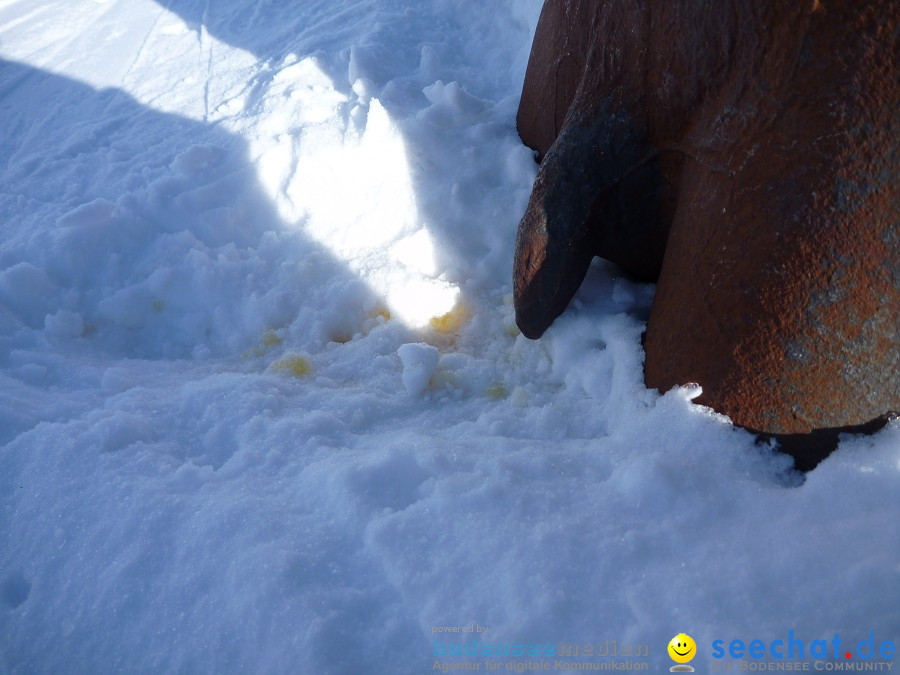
x: 682, y: 648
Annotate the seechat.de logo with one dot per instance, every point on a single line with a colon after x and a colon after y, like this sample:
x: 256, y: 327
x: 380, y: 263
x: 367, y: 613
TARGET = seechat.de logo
x: 797, y: 648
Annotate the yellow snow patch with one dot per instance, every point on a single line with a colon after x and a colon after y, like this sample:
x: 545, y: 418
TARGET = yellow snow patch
x: 293, y: 365
x: 451, y: 322
x: 270, y: 339
x: 496, y: 390
x: 380, y: 311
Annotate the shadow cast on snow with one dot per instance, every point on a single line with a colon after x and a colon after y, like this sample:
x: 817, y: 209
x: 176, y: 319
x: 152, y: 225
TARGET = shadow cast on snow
x: 190, y: 231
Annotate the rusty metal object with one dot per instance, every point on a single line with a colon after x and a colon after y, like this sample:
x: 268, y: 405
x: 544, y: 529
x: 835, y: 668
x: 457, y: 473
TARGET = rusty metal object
x: 745, y: 154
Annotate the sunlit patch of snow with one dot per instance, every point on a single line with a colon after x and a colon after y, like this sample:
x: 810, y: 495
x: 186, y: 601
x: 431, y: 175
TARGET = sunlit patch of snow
x: 338, y: 168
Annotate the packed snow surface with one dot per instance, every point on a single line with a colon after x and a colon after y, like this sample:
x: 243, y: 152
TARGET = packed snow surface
x: 264, y: 407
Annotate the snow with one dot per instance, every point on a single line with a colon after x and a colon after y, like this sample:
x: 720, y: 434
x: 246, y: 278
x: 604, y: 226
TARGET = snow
x: 264, y: 407
x: 419, y: 361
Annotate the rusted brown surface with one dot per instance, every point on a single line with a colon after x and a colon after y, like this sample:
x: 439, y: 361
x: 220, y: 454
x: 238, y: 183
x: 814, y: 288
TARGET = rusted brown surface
x: 746, y: 154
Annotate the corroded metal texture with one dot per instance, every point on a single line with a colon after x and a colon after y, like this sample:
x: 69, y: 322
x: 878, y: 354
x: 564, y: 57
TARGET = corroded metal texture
x: 745, y: 154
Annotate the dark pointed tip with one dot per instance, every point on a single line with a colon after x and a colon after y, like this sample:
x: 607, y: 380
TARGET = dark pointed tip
x: 532, y: 319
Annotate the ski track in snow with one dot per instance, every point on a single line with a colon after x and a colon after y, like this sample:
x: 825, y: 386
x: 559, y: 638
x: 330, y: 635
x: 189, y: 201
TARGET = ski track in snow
x: 263, y: 404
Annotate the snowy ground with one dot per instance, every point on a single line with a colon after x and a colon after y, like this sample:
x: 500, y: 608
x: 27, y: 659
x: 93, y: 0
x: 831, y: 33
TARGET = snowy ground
x: 264, y: 407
